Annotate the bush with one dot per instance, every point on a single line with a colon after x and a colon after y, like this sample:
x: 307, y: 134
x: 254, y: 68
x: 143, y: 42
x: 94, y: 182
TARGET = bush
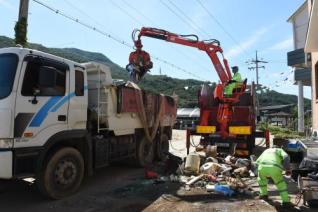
x: 279, y: 132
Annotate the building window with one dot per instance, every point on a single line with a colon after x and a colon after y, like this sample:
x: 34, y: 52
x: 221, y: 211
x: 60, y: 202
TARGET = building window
x: 79, y: 83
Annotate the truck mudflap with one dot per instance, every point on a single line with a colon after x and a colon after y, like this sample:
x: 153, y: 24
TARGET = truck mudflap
x: 6, y: 159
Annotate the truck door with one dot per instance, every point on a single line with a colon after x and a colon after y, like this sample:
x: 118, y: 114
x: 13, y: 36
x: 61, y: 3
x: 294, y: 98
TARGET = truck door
x: 78, y: 103
x: 41, y: 104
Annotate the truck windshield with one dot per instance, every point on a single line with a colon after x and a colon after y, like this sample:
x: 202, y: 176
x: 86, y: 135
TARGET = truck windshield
x: 8, y: 67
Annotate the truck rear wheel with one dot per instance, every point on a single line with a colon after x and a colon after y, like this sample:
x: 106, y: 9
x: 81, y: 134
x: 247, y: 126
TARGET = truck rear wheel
x: 62, y: 174
x: 162, y: 147
x: 144, y: 152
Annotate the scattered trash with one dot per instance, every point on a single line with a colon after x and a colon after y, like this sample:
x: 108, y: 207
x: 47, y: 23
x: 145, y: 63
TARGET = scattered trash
x: 226, y: 172
x: 211, y: 159
x: 224, y: 189
x: 242, y: 162
x: 150, y: 175
x: 193, y: 163
x: 174, y: 178
x: 219, y: 173
x: 211, y: 151
x: 210, y: 168
x: 243, y: 171
x: 210, y: 178
x: 193, y: 180
x: 210, y: 188
x: 251, y: 173
x: 183, y: 179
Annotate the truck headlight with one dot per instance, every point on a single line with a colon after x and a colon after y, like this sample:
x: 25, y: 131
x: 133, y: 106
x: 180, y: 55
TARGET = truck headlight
x: 6, y: 142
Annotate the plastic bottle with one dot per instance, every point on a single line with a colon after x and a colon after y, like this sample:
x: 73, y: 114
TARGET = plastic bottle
x: 224, y: 189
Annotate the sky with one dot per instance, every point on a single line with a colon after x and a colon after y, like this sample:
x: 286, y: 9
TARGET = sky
x: 242, y: 27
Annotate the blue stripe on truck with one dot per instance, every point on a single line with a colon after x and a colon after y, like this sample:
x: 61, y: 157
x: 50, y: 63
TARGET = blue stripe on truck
x: 43, y: 112
x: 62, y: 102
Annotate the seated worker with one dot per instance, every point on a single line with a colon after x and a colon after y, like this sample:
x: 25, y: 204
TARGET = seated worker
x: 236, y: 82
x: 139, y: 63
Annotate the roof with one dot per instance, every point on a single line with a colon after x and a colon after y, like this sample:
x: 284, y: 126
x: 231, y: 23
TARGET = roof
x: 297, y: 11
x: 188, y: 112
x: 275, y: 107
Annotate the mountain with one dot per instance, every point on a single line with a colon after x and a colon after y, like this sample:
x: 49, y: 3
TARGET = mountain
x: 187, y: 90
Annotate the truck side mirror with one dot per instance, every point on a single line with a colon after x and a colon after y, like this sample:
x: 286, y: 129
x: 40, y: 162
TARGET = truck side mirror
x: 36, y: 92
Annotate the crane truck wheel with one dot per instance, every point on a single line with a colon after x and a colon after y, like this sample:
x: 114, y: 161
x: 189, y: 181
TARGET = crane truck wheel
x: 144, y: 152
x: 62, y: 174
x: 162, y: 147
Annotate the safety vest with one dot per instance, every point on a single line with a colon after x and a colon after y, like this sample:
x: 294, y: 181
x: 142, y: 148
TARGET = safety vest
x: 272, y: 156
x: 237, y: 78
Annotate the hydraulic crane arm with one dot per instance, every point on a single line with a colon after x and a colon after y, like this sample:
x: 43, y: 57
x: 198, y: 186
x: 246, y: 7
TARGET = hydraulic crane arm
x: 211, y: 47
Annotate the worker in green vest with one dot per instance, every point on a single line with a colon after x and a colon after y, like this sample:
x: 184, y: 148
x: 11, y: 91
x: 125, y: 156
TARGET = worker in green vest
x: 271, y: 164
x: 236, y: 82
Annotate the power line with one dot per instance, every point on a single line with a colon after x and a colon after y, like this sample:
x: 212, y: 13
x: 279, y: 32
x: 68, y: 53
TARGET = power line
x: 189, y: 19
x: 125, y: 11
x: 138, y: 11
x: 81, y: 11
x: 153, y: 22
x: 58, y: 12
x: 179, y: 16
x: 222, y: 27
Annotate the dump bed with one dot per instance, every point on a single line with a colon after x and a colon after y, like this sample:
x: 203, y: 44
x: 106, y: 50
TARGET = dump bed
x: 125, y: 108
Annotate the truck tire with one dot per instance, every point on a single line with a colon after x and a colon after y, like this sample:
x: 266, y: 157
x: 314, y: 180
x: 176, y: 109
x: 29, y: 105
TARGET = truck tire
x: 162, y: 147
x: 62, y: 174
x: 144, y: 152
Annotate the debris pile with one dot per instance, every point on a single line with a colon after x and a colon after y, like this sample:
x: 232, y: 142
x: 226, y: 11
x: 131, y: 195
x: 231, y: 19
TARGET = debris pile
x: 213, y: 172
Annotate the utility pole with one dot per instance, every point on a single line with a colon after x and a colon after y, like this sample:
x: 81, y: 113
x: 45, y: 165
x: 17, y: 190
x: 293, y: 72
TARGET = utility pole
x: 22, y: 23
x: 255, y: 65
x: 255, y: 62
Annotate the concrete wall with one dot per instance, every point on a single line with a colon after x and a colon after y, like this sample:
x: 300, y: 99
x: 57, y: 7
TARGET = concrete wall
x: 300, y: 25
x: 314, y: 57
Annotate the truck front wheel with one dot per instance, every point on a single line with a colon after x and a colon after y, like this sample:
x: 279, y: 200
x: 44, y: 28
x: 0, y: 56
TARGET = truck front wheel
x: 62, y: 175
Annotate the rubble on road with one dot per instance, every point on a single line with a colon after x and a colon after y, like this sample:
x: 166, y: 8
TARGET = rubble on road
x: 212, y: 172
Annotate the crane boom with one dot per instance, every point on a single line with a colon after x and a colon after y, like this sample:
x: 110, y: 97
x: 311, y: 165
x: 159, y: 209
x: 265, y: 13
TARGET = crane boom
x: 211, y: 47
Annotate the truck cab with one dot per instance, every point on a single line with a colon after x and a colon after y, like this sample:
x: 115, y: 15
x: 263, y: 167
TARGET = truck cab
x: 41, y: 97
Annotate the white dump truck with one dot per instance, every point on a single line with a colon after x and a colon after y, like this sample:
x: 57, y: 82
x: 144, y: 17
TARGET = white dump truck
x: 61, y: 120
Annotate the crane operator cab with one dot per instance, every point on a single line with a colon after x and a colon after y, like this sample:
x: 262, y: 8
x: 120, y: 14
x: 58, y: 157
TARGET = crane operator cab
x: 139, y: 63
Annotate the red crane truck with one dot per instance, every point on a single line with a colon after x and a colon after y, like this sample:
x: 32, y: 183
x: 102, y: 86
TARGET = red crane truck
x: 225, y: 121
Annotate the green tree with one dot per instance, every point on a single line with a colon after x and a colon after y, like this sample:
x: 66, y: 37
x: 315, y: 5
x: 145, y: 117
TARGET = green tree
x: 21, y: 32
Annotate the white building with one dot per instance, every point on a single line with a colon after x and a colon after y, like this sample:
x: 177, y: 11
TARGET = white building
x: 299, y: 59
